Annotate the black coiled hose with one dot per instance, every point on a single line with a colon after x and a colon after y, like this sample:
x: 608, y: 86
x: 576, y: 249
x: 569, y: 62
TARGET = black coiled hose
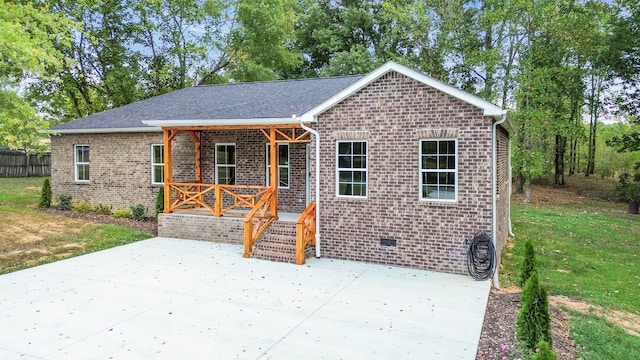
x: 481, y: 256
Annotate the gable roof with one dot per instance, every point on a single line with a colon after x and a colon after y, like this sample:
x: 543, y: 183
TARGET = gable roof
x: 489, y: 108
x: 257, y: 103
x: 269, y: 101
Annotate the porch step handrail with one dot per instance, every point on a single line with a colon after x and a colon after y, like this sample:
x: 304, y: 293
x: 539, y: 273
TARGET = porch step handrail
x: 305, y: 231
x: 262, y: 214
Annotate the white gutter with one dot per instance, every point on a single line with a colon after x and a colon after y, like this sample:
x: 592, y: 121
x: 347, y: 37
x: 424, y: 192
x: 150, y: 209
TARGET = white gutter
x: 218, y: 122
x: 494, y: 181
x: 317, y: 136
x: 106, y: 130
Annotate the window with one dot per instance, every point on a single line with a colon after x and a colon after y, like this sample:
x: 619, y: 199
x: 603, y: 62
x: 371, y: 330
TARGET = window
x: 226, y: 164
x: 438, y: 170
x: 283, y: 165
x: 352, y: 168
x: 157, y: 164
x: 81, y: 160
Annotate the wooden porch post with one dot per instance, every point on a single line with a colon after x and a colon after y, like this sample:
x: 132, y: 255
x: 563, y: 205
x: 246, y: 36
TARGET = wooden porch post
x: 167, y: 170
x: 274, y: 171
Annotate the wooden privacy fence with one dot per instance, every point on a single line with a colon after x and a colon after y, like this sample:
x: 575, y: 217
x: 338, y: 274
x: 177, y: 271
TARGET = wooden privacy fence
x: 18, y: 164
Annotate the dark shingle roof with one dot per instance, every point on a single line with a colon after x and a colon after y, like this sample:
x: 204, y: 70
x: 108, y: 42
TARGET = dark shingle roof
x: 272, y: 99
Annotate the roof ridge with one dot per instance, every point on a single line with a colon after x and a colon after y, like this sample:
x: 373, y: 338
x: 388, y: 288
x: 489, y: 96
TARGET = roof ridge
x: 279, y: 81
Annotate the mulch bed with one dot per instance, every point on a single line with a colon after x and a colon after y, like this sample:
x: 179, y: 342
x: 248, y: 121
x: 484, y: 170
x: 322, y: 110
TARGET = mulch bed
x: 498, y: 330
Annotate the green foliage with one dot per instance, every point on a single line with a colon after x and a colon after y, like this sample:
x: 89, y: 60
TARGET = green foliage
x: 529, y: 264
x: 629, y: 187
x: 45, y: 194
x: 103, y: 209
x: 122, y: 214
x: 83, y: 208
x: 160, y: 201
x: 544, y: 352
x: 534, y: 321
x: 138, y: 212
x: 64, y: 202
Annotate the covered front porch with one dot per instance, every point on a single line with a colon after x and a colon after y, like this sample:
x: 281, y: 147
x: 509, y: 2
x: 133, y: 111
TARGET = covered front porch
x: 234, y: 204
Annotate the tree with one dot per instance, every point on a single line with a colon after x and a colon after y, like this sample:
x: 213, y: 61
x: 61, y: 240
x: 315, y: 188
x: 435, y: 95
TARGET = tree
x: 529, y: 264
x: 28, y: 40
x: 534, y: 321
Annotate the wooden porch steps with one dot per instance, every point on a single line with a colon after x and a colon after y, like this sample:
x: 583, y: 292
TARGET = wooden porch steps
x: 278, y: 243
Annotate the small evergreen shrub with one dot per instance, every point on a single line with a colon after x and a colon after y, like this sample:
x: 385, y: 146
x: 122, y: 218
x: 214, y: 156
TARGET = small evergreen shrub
x: 83, y: 208
x: 122, y: 214
x: 160, y: 201
x: 138, y: 212
x: 45, y: 194
x: 544, y: 352
x: 534, y: 321
x: 103, y: 209
x: 64, y: 202
x: 529, y: 264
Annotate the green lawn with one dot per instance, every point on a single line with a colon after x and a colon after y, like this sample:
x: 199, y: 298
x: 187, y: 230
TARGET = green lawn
x: 587, y: 250
x: 30, y: 237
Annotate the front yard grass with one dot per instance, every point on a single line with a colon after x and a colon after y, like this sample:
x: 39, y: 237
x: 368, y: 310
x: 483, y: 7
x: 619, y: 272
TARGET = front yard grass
x: 587, y: 249
x: 30, y: 237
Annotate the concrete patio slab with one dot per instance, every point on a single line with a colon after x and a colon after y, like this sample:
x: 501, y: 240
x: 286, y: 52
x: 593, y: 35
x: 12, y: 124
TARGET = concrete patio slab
x: 181, y: 299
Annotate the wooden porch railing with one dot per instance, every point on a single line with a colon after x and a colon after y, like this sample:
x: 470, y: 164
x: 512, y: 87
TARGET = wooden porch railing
x: 305, y: 231
x: 262, y: 215
x: 190, y: 196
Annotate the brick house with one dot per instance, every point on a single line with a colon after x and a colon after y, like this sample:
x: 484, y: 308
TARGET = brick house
x: 407, y: 167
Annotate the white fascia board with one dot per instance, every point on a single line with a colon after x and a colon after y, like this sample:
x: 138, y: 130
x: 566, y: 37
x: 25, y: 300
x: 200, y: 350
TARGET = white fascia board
x: 221, y: 122
x: 489, y: 108
x: 106, y: 130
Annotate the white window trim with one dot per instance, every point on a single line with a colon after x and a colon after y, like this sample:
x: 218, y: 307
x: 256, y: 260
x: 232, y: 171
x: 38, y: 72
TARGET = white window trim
x: 268, y: 177
x: 365, y: 169
x: 154, y: 164
x: 76, y: 162
x: 421, y: 171
x: 225, y: 165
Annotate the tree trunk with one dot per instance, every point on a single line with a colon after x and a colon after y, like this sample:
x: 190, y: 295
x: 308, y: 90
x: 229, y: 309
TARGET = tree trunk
x: 527, y: 190
x: 519, y: 188
x: 573, y: 147
x: 558, y: 161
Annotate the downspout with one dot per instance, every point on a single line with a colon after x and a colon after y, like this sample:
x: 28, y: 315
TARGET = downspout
x: 494, y: 181
x: 317, y: 136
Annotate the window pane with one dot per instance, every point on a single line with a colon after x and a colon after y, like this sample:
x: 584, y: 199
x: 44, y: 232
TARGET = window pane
x: 83, y: 172
x: 431, y: 178
x: 428, y: 162
x: 429, y: 147
x: 231, y: 151
x: 430, y: 192
x: 158, y: 173
x: 158, y: 154
x: 345, y: 189
x: 447, y: 192
x: 284, y: 177
x: 357, y: 148
x: 283, y: 155
x: 345, y: 176
x: 446, y: 179
x: 344, y: 148
x: 344, y: 162
x: 359, y: 162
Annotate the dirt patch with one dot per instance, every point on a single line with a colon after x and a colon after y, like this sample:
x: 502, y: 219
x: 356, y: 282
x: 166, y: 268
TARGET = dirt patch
x: 498, y: 337
x: 628, y: 321
x: 149, y: 226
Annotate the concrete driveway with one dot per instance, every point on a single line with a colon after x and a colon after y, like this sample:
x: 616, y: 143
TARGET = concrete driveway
x: 182, y: 299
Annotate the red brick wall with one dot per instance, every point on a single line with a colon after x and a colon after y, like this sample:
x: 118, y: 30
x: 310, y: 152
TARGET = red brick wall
x: 393, y: 114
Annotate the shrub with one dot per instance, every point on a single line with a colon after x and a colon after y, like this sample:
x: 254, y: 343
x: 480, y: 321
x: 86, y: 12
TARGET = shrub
x: 160, y: 201
x: 544, y: 352
x: 83, y: 208
x: 122, y: 214
x: 529, y: 264
x: 103, y: 209
x: 45, y: 194
x: 138, y: 212
x: 64, y: 202
x: 534, y: 321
